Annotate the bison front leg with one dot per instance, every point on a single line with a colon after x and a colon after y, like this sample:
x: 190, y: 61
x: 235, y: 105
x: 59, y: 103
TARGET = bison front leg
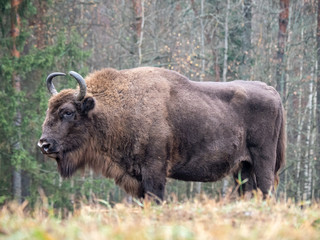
x: 153, y: 182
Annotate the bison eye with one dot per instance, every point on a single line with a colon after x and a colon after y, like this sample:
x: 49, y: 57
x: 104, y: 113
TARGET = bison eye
x: 67, y: 115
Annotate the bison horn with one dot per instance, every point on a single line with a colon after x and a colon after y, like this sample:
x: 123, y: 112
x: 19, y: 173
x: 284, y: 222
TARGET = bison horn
x: 82, y: 84
x: 50, y: 86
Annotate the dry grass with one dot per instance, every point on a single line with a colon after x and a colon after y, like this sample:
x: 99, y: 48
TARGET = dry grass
x: 199, y: 219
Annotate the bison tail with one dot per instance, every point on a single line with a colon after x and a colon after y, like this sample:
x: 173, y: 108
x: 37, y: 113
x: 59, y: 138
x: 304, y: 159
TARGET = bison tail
x: 281, y: 146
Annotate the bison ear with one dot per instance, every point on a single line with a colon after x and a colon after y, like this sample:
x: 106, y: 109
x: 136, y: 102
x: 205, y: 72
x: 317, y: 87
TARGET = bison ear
x: 87, y: 105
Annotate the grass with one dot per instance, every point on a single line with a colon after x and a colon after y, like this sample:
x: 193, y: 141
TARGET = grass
x: 198, y: 219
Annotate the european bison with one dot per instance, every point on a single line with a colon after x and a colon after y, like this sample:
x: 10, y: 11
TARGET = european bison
x: 142, y: 125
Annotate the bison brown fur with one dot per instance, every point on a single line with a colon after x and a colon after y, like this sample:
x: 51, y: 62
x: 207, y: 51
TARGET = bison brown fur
x: 142, y: 125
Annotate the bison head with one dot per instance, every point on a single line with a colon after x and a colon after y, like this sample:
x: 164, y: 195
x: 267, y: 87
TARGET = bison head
x: 65, y: 130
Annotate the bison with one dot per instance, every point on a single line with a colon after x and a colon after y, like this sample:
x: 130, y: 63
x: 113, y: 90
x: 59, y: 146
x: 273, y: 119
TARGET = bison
x: 142, y: 125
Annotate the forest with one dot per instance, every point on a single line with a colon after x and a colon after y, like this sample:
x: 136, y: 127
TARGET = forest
x: 274, y: 41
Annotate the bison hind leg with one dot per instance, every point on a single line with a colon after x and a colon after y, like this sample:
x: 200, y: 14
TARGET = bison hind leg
x: 245, y: 179
x: 264, y: 161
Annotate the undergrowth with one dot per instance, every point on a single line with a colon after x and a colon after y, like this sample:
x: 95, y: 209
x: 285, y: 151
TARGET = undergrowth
x: 201, y: 218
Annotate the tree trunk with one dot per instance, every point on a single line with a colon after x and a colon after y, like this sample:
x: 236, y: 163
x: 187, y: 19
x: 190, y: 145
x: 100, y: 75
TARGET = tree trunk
x: 308, y: 154
x: 313, y: 148
x: 225, y: 184
x: 246, y: 40
x: 203, y: 61
x: 213, y: 40
x: 317, y: 167
x: 301, y: 118
x: 226, y: 33
x: 139, y: 24
x: 141, y: 32
x: 15, y: 31
x: 191, y: 190
x: 90, y: 188
x: 282, y: 39
x: 198, y: 187
x: 40, y: 27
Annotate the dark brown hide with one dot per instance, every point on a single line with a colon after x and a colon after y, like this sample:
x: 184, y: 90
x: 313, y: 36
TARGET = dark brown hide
x: 142, y: 125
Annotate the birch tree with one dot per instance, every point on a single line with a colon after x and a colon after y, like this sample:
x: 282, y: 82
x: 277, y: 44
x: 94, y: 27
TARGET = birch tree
x: 317, y: 166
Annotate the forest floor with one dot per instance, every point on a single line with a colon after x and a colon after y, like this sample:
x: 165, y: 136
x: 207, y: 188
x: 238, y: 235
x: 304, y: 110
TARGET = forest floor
x: 198, y: 219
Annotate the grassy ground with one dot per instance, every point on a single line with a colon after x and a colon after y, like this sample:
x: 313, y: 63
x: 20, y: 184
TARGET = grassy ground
x: 199, y: 219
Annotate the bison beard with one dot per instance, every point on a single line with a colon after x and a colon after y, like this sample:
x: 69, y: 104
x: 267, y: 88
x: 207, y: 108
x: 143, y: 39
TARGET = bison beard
x: 140, y: 126
x: 66, y: 169
x: 67, y: 166
x: 72, y: 155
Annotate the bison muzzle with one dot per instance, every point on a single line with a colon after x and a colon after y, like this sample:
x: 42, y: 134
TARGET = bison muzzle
x: 142, y: 125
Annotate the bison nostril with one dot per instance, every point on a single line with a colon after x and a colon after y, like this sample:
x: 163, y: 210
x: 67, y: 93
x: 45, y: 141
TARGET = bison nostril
x: 46, y: 146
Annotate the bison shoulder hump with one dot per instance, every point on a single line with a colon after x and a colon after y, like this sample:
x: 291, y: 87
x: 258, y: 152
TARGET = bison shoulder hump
x: 102, y: 79
x: 239, y: 96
